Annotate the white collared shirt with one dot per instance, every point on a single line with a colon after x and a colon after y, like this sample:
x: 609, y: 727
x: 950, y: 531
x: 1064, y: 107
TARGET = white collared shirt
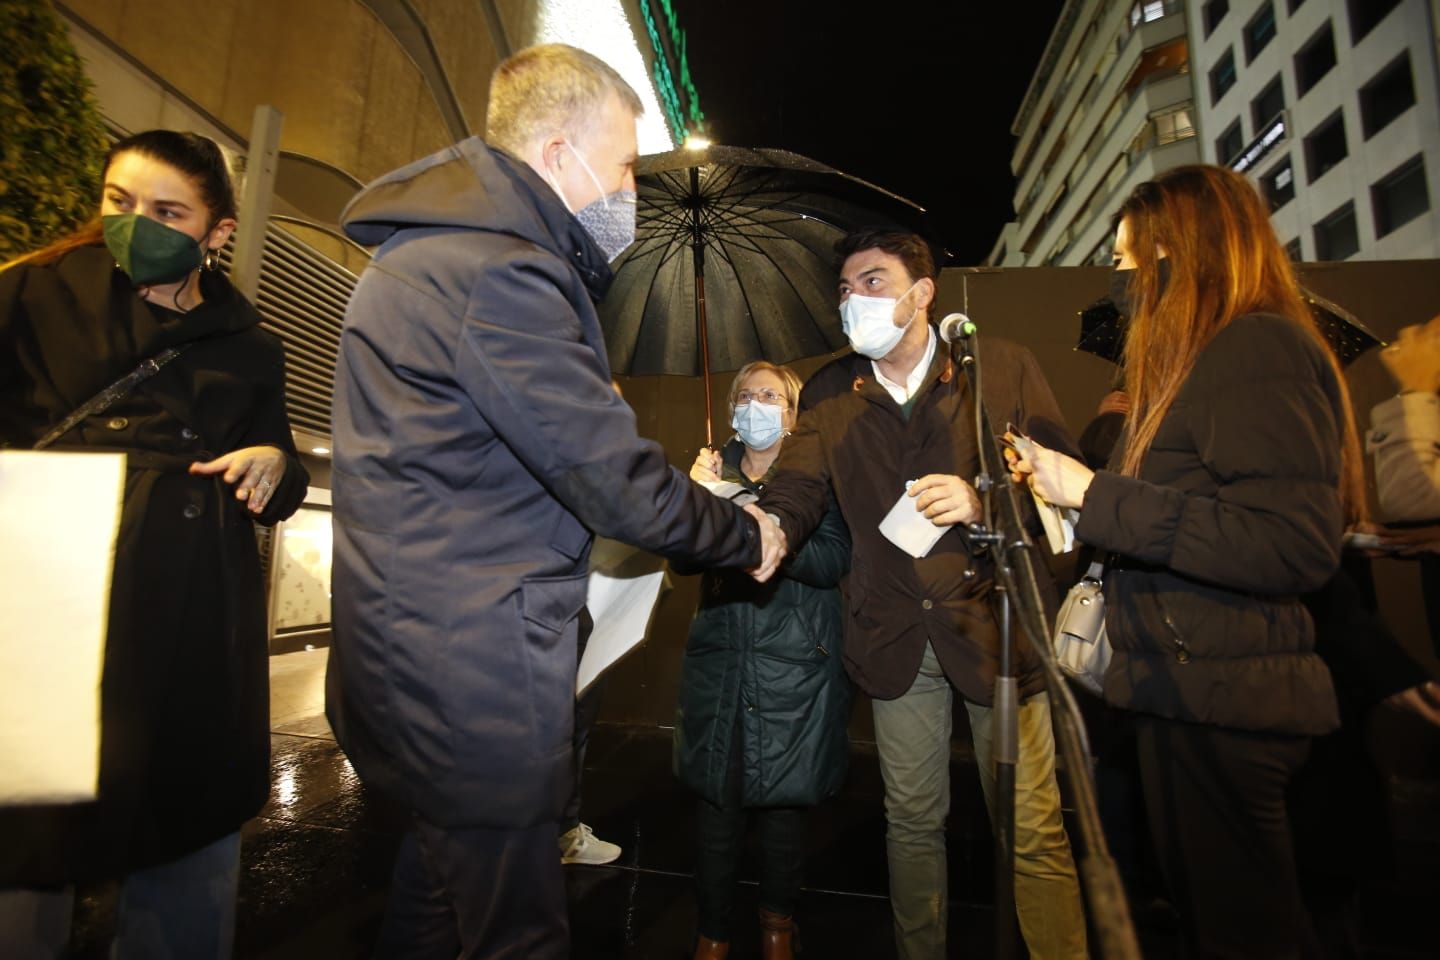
x: 903, y: 392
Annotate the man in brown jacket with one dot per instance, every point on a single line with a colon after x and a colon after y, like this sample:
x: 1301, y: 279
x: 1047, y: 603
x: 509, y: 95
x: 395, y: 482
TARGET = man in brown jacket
x: 893, y: 418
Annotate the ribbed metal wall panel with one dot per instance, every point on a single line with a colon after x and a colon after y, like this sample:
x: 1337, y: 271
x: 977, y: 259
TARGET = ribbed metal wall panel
x: 302, y: 301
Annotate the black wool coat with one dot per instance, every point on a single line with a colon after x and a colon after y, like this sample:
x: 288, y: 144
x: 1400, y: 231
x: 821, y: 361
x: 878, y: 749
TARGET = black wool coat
x: 1235, y: 514
x: 184, y: 691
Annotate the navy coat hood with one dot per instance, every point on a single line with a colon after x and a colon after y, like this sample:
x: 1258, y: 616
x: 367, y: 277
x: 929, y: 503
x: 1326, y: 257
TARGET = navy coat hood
x: 471, y: 186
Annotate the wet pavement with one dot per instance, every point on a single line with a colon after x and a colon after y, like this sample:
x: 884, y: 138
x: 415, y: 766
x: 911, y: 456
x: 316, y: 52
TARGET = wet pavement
x: 316, y: 862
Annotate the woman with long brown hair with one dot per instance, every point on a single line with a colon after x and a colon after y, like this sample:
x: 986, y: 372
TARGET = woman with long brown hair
x: 1240, y: 466
x: 184, y: 734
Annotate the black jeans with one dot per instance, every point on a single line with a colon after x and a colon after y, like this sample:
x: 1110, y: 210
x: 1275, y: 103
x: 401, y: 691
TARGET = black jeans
x: 1216, y: 804
x: 722, y: 841
x: 473, y: 893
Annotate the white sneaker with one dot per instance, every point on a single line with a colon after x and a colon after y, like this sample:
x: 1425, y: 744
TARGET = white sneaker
x: 580, y: 845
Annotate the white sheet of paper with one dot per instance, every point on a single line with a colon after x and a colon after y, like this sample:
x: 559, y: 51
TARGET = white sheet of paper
x: 909, y: 529
x: 621, y: 609
x: 59, y: 515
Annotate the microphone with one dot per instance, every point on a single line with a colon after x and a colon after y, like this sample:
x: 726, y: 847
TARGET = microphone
x: 956, y: 326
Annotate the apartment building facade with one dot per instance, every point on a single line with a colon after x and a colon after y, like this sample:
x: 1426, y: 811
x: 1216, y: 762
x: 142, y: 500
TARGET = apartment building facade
x: 1329, y: 105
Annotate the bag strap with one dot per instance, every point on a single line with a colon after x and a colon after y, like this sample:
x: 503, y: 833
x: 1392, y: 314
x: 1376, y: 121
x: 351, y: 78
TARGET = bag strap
x: 1096, y: 570
x: 116, y: 391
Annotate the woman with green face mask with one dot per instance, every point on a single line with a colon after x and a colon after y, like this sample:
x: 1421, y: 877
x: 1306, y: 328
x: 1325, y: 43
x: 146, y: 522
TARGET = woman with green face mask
x: 184, y: 756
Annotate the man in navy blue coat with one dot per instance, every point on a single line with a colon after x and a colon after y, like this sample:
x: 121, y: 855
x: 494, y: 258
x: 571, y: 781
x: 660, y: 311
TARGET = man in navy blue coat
x: 479, y: 447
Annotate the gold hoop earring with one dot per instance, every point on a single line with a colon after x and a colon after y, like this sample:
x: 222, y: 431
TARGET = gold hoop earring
x: 211, y: 260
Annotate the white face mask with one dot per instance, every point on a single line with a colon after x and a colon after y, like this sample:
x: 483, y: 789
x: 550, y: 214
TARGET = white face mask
x: 609, y: 219
x: 869, y: 322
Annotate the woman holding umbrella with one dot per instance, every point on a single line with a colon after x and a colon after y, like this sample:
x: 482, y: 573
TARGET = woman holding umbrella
x: 1240, y: 465
x: 764, y: 699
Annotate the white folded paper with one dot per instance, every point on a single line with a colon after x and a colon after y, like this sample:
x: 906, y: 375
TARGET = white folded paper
x: 59, y: 515
x: 908, y: 528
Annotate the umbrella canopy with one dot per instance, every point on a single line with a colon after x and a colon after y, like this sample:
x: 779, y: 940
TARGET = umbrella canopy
x: 734, y: 258
x: 1102, y: 329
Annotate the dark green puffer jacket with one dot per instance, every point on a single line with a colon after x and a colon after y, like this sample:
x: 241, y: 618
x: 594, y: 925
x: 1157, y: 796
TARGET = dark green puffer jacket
x: 764, y: 661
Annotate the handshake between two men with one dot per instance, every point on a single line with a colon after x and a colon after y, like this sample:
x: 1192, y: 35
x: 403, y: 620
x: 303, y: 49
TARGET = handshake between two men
x: 944, y: 499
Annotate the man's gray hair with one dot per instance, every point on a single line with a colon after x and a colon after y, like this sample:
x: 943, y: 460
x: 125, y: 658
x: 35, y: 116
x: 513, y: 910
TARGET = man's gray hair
x: 547, y: 89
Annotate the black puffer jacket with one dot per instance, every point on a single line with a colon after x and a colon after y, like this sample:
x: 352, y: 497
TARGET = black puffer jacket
x: 764, y: 661
x: 1236, y: 513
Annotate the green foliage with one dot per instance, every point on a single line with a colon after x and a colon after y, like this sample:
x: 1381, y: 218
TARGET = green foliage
x: 52, y: 140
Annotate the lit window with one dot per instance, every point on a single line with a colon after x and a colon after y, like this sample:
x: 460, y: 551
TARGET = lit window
x: 1145, y: 11
x: 1174, y: 125
x: 1279, y: 184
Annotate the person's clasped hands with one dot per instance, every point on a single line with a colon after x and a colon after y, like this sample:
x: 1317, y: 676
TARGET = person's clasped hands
x: 773, y: 544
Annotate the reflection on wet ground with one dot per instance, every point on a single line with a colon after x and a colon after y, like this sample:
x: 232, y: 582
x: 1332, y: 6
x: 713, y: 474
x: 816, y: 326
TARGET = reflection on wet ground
x: 316, y: 862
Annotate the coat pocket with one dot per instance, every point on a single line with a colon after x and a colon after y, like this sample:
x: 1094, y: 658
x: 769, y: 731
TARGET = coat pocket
x: 552, y: 602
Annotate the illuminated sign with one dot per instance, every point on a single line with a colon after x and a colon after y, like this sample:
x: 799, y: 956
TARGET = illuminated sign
x: 1262, y: 145
x: 684, y: 116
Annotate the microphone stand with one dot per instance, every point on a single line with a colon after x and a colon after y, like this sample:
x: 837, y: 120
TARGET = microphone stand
x: 1004, y: 530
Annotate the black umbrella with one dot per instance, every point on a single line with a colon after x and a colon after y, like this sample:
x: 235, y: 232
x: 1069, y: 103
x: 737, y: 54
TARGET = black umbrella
x: 734, y: 261
x: 1102, y: 329
x: 1347, y: 336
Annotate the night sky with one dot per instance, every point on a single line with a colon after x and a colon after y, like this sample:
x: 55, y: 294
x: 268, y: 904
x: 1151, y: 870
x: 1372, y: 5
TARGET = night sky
x: 917, y: 97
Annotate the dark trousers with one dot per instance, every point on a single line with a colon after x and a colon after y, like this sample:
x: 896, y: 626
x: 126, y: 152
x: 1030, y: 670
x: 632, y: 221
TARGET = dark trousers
x: 475, y: 893
x: 587, y: 711
x: 1216, y: 803
x: 722, y: 841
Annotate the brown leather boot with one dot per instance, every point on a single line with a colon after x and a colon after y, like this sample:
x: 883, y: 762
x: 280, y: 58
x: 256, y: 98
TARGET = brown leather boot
x: 707, y: 949
x: 777, y: 936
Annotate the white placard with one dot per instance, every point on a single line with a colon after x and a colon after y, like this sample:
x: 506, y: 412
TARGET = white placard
x: 621, y: 609
x: 59, y: 516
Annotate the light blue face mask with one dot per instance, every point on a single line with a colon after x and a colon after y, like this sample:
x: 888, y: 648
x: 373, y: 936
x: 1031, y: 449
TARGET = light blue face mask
x: 760, y: 425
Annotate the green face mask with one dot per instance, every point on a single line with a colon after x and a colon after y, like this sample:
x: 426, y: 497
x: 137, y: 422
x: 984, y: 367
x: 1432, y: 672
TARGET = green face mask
x: 148, y: 251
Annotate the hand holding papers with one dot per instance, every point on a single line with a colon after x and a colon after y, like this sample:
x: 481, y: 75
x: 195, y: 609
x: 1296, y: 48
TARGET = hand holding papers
x: 1057, y: 482
x: 908, y: 528
x: 929, y: 507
